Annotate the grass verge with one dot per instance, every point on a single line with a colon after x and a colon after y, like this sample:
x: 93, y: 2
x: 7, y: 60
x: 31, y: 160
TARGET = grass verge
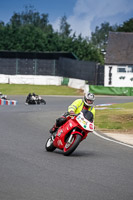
x: 116, y: 118
x: 22, y: 89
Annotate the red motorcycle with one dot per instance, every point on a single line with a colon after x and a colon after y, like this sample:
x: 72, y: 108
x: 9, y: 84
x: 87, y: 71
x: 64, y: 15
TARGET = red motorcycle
x: 70, y: 134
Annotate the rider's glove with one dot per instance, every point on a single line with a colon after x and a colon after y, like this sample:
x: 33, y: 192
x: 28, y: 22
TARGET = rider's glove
x: 72, y: 112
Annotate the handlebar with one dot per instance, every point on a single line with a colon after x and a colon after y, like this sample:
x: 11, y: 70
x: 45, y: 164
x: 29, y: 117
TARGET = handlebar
x: 72, y: 114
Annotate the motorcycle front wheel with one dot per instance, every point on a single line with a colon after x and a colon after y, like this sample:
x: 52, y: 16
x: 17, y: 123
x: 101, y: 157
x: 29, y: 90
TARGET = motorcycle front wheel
x: 72, y: 144
x: 49, y: 145
x: 43, y: 101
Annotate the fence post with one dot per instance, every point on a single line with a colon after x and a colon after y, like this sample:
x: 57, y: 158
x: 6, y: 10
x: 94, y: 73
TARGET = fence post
x: 17, y: 65
x: 35, y: 66
x: 96, y: 73
x: 54, y: 67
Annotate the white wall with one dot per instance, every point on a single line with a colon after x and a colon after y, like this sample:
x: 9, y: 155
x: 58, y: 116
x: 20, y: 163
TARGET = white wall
x: 29, y: 79
x: 116, y: 81
x: 76, y: 83
x: 42, y: 80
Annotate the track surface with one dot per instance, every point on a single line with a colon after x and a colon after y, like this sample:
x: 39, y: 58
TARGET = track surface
x: 97, y: 170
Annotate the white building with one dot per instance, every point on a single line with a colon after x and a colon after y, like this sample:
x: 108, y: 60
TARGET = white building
x: 119, y: 60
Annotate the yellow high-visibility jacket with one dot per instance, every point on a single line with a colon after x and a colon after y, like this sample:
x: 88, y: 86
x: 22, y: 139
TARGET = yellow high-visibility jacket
x: 77, y: 106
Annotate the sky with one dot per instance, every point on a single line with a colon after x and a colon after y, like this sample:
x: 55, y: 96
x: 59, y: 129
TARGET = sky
x: 82, y: 15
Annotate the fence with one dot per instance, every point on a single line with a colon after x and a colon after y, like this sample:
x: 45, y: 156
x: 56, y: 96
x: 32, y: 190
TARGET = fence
x: 64, y: 65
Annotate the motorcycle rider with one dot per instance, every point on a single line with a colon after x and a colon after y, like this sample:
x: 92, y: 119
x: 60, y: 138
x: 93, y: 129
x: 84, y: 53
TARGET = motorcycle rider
x: 2, y: 96
x: 87, y: 103
x: 31, y: 98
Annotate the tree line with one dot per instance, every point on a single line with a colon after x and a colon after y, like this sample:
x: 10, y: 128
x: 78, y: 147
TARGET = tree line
x: 31, y: 31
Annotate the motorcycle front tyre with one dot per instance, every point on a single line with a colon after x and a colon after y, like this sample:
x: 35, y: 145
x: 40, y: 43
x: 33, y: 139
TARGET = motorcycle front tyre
x: 49, y: 145
x: 69, y: 150
x: 43, y: 101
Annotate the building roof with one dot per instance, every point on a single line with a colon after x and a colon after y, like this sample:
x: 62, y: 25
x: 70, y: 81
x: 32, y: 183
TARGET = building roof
x: 37, y: 55
x: 119, y: 48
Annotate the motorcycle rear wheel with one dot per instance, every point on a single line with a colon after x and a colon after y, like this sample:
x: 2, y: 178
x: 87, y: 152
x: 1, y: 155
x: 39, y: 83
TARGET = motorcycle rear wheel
x: 70, y: 147
x: 49, y: 145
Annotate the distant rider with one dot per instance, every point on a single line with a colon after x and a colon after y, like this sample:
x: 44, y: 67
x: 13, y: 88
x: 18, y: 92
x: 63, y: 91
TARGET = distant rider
x: 31, y: 98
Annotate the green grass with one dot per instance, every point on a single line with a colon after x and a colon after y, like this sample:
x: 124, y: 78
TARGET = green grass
x: 116, y: 117
x: 16, y: 89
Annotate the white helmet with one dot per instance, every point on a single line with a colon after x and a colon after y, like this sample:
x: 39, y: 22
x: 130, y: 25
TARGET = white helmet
x: 89, y: 97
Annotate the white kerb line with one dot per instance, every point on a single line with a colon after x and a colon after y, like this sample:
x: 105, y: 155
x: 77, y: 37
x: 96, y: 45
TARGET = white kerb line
x: 105, y: 138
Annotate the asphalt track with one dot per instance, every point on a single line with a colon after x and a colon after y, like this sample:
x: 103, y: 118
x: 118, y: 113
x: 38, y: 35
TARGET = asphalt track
x: 97, y: 170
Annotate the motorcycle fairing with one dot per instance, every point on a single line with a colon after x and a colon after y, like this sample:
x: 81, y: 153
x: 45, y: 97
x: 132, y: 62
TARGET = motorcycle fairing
x: 67, y: 127
x: 62, y: 132
x: 83, y: 134
x: 87, y: 125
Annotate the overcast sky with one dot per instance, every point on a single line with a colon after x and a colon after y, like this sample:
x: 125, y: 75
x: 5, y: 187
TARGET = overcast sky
x: 82, y: 15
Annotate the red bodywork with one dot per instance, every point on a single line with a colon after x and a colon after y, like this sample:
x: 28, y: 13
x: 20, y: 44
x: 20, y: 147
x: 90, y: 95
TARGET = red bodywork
x: 67, y: 129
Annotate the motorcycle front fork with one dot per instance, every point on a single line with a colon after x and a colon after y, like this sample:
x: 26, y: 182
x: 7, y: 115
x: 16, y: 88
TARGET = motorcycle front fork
x: 70, y: 139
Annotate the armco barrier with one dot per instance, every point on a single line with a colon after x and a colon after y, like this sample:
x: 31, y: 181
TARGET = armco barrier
x: 8, y: 102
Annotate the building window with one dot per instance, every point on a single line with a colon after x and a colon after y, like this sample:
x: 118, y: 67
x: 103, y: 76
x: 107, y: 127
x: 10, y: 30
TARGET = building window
x: 121, y: 69
x: 126, y: 69
x: 130, y: 69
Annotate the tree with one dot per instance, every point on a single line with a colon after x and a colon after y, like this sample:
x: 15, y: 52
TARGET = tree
x: 29, y: 31
x: 2, y: 30
x: 64, y: 27
x: 100, y: 36
x: 127, y: 26
x: 31, y: 17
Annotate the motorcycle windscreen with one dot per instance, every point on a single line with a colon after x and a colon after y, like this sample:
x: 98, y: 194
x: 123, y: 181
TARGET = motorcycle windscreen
x: 88, y: 115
